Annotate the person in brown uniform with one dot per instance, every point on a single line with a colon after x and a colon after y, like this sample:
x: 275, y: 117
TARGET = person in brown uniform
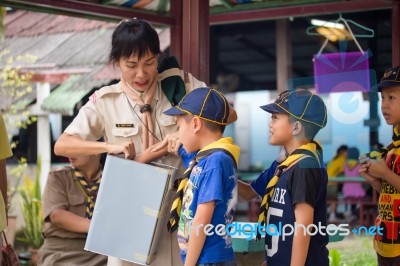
x: 68, y: 202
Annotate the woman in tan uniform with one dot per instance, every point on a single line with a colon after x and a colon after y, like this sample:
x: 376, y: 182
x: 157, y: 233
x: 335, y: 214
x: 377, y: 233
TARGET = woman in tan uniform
x: 68, y: 202
x: 129, y: 115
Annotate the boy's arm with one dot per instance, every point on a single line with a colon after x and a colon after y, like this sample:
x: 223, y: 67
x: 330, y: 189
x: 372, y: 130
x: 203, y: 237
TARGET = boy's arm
x: 150, y: 154
x: 258, y: 185
x: 197, y: 237
x: 393, y: 179
x: 375, y: 182
x: 304, y: 214
x: 380, y: 169
x: 245, y: 191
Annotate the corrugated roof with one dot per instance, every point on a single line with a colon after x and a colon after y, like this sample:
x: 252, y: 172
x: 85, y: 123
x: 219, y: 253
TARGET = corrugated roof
x: 65, y: 43
x: 76, y: 46
x: 64, y: 98
x: 24, y: 23
x: 55, y: 39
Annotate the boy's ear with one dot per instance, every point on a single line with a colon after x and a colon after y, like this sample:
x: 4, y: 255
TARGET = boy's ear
x: 197, y: 124
x: 296, y: 128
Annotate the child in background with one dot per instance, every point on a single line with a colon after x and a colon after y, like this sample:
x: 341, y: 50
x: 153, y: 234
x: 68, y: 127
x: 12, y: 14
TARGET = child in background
x: 335, y: 168
x: 352, y: 190
x: 384, y: 174
x: 68, y: 203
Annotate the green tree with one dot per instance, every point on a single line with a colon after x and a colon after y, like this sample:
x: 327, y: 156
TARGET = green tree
x: 15, y: 85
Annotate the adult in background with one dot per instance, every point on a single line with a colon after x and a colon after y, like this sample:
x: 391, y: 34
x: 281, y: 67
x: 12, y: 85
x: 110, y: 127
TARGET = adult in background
x: 129, y: 115
x: 68, y: 202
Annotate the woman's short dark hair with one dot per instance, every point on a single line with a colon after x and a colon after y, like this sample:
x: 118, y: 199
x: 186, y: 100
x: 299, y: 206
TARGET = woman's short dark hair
x: 133, y: 36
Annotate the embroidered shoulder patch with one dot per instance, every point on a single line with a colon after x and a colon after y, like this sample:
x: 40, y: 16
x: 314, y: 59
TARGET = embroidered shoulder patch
x: 93, y: 97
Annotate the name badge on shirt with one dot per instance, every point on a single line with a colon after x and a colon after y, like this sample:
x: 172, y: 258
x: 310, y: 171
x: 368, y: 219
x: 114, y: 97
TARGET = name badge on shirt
x: 124, y: 125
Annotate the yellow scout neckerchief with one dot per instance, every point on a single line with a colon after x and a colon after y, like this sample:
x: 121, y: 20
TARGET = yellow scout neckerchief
x: 225, y: 145
x: 89, y: 190
x: 311, y: 149
x: 384, y: 151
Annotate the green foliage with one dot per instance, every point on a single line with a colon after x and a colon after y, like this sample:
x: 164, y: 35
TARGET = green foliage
x: 15, y: 84
x: 31, y: 205
x: 366, y: 256
x: 334, y: 257
x: 2, y: 16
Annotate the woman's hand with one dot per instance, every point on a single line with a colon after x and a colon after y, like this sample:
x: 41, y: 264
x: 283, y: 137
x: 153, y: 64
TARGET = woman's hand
x: 172, y: 140
x: 127, y: 148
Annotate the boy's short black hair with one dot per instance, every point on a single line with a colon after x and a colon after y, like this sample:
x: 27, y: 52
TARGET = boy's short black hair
x: 310, y: 130
x: 133, y: 36
x: 214, y: 127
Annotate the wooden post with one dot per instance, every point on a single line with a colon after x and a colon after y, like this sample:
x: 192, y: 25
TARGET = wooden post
x: 195, y: 38
x: 284, y: 54
x: 176, y: 30
x: 395, y: 33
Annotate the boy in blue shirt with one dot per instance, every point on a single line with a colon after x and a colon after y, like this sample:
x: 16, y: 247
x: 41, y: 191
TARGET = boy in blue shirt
x: 207, y: 194
x: 294, y: 187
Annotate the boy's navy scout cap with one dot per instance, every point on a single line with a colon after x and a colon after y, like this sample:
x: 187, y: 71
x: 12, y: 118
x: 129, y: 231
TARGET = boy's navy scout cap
x: 302, y: 105
x: 205, y: 103
x: 390, y: 78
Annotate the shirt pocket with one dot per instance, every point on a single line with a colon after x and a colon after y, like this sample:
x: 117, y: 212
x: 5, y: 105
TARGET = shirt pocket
x: 75, y: 200
x: 124, y: 134
x: 168, y: 124
x: 77, y: 204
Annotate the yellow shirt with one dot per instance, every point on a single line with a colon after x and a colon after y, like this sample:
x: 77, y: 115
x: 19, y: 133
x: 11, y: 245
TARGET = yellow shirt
x: 5, y: 152
x: 336, y: 166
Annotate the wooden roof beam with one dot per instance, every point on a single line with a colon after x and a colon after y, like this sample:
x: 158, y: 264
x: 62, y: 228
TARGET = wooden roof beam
x: 55, y: 76
x: 298, y: 11
x: 88, y: 10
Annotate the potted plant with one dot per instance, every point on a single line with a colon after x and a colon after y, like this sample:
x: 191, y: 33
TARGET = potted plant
x: 31, y: 206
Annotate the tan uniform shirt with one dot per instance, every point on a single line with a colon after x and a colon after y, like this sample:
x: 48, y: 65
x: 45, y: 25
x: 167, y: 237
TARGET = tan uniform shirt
x: 112, y: 115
